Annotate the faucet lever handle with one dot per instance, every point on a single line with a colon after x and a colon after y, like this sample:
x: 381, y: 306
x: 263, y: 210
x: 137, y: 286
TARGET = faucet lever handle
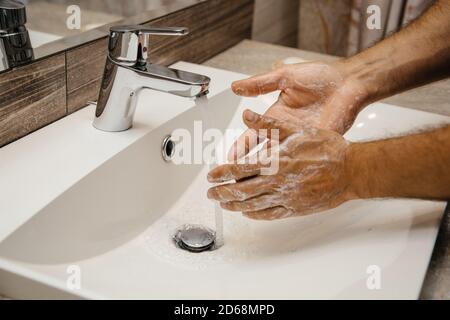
x: 129, y: 45
x: 162, y: 31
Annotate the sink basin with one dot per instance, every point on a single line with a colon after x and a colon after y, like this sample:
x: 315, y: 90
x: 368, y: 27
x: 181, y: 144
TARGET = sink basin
x: 101, y: 207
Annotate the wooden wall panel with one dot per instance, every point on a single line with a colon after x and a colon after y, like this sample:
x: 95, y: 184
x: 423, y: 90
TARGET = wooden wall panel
x: 32, y: 97
x: 84, y: 73
x: 215, y: 26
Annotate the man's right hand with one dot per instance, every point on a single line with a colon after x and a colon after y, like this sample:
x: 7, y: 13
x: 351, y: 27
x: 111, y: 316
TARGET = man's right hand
x: 312, y: 95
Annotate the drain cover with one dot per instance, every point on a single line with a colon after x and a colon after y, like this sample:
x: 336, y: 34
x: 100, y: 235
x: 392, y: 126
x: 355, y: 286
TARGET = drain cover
x: 195, y: 238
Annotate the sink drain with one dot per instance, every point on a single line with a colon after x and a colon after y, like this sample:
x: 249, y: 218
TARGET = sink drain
x: 194, y: 238
x: 168, y: 149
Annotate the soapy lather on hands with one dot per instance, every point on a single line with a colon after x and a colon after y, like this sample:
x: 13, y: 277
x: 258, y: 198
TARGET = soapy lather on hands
x: 312, y: 95
x: 319, y: 102
x: 311, y: 176
x: 319, y: 170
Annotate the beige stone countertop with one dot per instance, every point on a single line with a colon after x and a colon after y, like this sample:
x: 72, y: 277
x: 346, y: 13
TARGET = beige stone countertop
x: 251, y: 57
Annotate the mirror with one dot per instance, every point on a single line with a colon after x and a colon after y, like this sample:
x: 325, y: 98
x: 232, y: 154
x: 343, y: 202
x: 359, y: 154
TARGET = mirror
x: 46, y: 27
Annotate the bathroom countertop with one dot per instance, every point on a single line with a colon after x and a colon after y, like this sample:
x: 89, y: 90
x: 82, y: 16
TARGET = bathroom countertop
x: 252, y: 57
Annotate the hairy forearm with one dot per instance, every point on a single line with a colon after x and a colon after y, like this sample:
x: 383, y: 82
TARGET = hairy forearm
x: 415, y: 56
x: 414, y: 166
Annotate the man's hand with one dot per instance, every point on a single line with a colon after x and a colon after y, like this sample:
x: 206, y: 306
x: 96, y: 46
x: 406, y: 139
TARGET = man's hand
x: 312, y: 95
x: 329, y: 96
x: 318, y: 169
x: 312, y: 176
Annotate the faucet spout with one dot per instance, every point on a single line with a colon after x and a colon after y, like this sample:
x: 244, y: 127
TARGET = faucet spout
x: 177, y: 82
x: 126, y: 74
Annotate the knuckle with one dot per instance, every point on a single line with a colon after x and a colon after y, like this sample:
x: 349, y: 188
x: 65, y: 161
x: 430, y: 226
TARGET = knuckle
x: 225, y: 206
x: 212, y: 193
x: 235, y: 170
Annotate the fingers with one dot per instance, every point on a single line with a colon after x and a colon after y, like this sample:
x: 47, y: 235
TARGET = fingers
x: 240, y: 191
x: 258, y: 85
x: 251, y: 138
x: 231, y: 172
x: 269, y: 214
x: 256, y: 204
x: 270, y: 125
x: 243, y: 145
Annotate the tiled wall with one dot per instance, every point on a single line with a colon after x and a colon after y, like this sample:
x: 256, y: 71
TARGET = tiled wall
x: 313, y: 25
x: 276, y: 21
x: 38, y: 94
x: 324, y: 26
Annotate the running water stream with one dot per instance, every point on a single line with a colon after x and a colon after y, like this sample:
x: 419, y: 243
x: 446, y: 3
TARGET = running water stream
x: 209, y: 123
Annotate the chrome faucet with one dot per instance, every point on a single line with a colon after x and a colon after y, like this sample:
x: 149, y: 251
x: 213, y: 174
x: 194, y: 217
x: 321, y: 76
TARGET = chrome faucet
x: 128, y: 72
x: 15, y: 44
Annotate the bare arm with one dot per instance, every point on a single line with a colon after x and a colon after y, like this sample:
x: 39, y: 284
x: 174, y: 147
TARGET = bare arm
x: 417, y: 55
x: 414, y: 166
x: 319, y: 170
x: 330, y: 96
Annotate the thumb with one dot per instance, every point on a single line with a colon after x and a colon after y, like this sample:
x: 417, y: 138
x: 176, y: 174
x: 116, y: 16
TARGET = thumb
x: 258, y: 85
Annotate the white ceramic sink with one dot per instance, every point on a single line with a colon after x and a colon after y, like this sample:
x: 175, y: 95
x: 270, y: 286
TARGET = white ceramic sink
x: 105, y: 204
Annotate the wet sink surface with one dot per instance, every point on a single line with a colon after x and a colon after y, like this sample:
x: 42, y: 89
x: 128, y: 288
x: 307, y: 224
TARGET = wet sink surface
x: 114, y: 224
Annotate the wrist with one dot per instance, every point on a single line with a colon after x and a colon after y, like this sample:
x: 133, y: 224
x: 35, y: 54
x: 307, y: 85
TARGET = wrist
x: 364, y: 77
x: 357, y: 172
